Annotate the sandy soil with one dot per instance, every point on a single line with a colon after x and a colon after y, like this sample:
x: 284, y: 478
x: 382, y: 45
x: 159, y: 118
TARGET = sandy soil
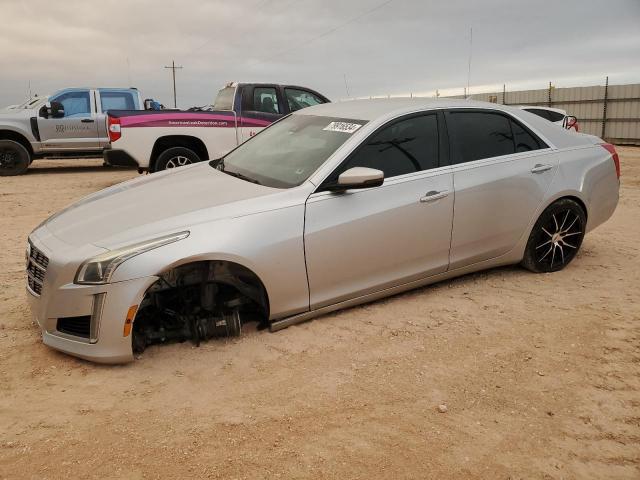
x: 540, y: 374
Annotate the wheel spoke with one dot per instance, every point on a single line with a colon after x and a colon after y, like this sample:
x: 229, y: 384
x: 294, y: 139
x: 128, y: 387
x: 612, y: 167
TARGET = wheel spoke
x: 548, y: 252
x: 545, y: 231
x: 570, y: 234
x: 572, y: 224
x: 568, y: 245
x: 542, y: 245
x: 564, y: 221
x: 553, y: 255
x: 561, y: 252
x: 555, y: 221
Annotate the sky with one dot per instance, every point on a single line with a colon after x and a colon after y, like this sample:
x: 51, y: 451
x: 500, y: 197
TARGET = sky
x: 354, y: 48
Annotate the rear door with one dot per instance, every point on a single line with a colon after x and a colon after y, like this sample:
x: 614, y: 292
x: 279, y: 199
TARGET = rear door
x: 78, y: 129
x: 361, y: 241
x: 261, y: 106
x: 501, y: 173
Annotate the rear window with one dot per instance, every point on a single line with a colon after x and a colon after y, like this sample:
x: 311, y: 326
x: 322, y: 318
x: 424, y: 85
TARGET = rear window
x: 224, y: 100
x: 555, y: 116
x: 122, y: 100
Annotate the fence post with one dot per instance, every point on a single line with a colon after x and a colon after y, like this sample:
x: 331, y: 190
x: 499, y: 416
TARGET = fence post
x: 604, y: 107
x: 549, y: 93
x: 504, y: 94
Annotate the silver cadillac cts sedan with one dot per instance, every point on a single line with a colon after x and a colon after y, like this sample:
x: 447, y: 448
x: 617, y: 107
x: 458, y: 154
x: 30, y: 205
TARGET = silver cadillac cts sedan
x: 332, y: 206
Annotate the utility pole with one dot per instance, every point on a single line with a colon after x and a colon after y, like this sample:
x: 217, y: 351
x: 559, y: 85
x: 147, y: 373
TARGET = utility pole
x: 173, y: 71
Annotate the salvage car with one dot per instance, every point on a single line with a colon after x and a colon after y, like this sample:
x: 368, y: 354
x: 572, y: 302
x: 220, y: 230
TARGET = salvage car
x: 330, y: 207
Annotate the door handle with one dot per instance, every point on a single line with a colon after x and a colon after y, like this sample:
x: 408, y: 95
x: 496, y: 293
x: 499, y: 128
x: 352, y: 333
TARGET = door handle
x: 434, y: 195
x: 539, y: 168
x: 87, y: 120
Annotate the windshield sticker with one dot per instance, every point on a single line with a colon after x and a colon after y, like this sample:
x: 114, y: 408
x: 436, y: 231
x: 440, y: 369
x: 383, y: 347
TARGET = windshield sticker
x: 342, y: 127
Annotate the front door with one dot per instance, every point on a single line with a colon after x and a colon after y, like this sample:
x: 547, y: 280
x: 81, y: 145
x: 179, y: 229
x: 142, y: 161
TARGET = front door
x: 362, y: 241
x: 77, y: 130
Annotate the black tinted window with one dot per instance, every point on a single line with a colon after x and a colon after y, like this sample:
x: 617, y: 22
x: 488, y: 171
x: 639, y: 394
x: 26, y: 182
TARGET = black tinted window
x: 525, y: 141
x: 555, y: 116
x: 406, y: 146
x: 477, y: 135
x: 541, y: 113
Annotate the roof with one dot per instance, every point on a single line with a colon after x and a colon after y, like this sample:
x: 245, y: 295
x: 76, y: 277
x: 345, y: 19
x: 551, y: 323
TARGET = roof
x: 380, y: 110
x: 370, y: 109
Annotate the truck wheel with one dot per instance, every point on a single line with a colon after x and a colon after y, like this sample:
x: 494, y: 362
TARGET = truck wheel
x: 14, y: 158
x: 176, y: 157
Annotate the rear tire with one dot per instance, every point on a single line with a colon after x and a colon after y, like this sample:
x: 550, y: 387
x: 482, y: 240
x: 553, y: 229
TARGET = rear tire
x: 176, y: 157
x: 14, y: 158
x: 556, y: 237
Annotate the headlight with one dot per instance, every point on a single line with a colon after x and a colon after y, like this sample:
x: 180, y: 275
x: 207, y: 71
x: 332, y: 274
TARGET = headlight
x: 98, y: 270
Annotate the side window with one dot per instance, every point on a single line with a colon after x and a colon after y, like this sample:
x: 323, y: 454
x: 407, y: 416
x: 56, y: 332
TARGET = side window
x: 524, y: 140
x: 405, y: 146
x: 265, y: 100
x: 76, y: 104
x: 298, y: 99
x: 477, y: 135
x: 539, y: 112
x: 555, y: 116
x: 118, y: 101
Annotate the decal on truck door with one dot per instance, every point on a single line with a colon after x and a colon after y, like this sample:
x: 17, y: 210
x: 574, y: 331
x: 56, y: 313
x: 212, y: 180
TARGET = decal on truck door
x: 182, y: 119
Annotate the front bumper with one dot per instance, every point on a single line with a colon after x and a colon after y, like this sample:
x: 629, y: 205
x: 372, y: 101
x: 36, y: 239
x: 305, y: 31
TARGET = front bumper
x: 105, y: 305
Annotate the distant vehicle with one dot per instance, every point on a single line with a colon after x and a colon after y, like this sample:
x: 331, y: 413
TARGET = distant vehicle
x: 155, y: 141
x: 333, y: 206
x: 69, y: 123
x: 555, y: 115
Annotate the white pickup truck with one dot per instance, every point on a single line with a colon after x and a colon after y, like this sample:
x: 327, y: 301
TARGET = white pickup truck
x: 157, y: 140
x: 69, y: 123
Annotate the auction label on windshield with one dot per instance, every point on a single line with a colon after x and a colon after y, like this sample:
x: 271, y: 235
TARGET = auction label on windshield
x: 343, y: 127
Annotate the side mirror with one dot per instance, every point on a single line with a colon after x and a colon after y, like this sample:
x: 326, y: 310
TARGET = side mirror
x: 358, y: 177
x: 52, y: 110
x: 57, y: 110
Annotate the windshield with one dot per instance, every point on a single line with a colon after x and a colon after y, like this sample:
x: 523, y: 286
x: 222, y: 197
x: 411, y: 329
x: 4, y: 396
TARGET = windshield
x: 288, y: 152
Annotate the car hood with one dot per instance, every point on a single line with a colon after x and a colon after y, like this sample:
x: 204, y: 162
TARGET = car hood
x: 156, y: 204
x: 18, y: 113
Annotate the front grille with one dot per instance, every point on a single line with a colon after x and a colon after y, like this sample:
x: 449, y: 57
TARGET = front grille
x: 78, y: 326
x: 37, y: 264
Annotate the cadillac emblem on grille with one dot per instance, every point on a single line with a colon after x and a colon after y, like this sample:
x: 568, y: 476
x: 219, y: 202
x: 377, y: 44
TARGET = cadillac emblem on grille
x: 37, y: 263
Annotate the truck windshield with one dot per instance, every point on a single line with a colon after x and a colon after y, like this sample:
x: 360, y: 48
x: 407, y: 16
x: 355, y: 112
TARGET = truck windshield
x: 224, y: 100
x: 288, y: 152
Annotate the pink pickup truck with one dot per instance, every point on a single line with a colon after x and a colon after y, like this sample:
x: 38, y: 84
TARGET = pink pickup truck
x: 160, y: 139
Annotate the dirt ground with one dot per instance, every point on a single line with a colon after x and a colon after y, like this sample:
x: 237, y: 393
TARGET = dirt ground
x: 540, y: 374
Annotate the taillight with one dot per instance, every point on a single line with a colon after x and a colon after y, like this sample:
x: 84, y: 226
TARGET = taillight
x: 114, y: 128
x: 614, y: 156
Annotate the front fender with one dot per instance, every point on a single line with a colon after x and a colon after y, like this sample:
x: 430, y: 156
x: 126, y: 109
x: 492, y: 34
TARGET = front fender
x: 270, y: 244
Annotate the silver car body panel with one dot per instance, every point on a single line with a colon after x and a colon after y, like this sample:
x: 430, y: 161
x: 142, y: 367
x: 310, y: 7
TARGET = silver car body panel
x: 317, y: 251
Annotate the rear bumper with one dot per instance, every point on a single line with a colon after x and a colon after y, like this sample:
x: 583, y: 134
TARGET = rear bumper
x: 118, y: 158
